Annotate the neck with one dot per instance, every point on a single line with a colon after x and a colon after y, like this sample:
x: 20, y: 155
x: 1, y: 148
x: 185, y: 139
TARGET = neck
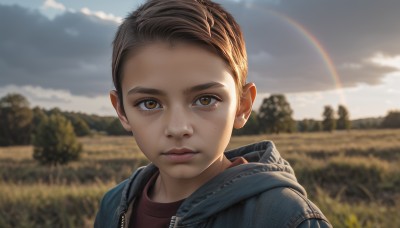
x: 168, y: 189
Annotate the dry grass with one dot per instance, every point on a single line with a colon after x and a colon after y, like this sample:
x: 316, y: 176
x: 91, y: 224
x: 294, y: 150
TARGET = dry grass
x: 347, y: 174
x: 42, y: 205
x: 336, y: 142
x: 16, y: 153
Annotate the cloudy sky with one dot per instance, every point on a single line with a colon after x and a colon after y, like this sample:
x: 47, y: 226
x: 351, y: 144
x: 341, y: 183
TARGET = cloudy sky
x: 317, y: 52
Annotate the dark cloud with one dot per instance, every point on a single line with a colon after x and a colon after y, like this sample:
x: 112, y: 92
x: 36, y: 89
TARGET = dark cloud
x: 73, y: 51
x: 70, y: 52
x: 349, y: 31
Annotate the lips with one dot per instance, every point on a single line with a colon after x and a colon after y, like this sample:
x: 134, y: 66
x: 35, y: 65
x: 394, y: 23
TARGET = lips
x: 180, y: 155
x: 179, y: 151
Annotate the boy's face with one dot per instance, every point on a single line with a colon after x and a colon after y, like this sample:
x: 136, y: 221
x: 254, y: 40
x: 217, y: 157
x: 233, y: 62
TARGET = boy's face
x: 179, y: 97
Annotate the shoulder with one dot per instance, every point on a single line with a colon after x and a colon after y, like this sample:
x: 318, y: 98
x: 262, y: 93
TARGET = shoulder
x: 113, y: 196
x: 288, y: 208
x: 109, y: 204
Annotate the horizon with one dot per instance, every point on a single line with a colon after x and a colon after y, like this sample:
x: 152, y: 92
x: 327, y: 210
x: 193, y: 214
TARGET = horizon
x: 115, y: 116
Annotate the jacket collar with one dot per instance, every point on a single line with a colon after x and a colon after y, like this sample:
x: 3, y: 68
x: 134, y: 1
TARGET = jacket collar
x: 266, y: 170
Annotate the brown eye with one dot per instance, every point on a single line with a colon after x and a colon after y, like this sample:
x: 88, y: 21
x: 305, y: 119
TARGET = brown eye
x: 148, y: 105
x: 206, y: 101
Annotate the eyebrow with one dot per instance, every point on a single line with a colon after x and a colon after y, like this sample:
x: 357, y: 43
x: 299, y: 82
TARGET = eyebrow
x: 144, y: 90
x: 193, y: 89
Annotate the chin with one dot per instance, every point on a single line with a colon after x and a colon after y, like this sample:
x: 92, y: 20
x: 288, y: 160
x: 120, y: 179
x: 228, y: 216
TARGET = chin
x: 184, y: 172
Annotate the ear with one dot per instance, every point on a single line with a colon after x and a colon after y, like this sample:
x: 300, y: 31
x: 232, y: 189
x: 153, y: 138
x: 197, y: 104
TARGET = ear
x: 118, y: 108
x: 245, y: 107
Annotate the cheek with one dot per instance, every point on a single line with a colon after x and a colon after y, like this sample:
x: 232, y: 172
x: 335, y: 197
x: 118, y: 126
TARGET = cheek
x: 140, y: 122
x: 146, y: 145
x: 143, y: 130
x: 219, y: 123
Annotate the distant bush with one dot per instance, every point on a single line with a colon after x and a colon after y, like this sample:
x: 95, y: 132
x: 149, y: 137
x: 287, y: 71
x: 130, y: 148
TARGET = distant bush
x: 367, y: 123
x: 391, y: 120
x: 55, y: 142
x: 115, y: 128
x: 15, y: 120
x: 81, y: 128
x: 309, y: 125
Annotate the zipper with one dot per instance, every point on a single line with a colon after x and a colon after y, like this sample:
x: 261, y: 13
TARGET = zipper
x: 122, y: 219
x: 174, y: 222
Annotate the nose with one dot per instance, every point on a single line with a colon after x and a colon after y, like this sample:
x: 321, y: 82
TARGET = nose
x: 178, y: 123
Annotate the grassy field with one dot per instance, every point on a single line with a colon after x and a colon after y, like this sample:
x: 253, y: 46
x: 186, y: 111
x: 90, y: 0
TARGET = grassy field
x: 354, y: 177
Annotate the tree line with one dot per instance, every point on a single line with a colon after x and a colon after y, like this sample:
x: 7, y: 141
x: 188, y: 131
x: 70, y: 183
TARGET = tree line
x: 53, y: 132
x: 275, y: 116
x: 18, y: 122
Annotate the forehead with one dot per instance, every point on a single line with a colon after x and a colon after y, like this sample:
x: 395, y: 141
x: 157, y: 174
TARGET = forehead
x: 178, y: 63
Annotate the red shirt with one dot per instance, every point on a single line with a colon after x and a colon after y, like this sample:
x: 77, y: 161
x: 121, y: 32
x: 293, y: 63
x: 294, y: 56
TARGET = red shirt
x: 158, y: 215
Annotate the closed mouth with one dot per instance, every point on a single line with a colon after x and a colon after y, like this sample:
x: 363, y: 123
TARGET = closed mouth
x: 183, y: 155
x: 181, y: 151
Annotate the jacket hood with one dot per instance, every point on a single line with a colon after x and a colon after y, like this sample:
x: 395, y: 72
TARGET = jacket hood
x: 266, y: 170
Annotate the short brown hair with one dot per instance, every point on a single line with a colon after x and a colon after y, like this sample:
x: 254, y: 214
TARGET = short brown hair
x: 201, y: 22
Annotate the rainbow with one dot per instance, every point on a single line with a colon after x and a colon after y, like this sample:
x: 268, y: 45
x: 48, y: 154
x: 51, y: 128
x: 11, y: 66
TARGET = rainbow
x: 314, y: 42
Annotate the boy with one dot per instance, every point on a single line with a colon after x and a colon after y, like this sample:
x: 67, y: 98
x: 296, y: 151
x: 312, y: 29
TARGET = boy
x: 179, y: 68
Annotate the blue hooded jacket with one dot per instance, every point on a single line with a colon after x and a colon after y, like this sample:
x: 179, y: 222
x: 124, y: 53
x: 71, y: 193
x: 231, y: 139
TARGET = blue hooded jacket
x: 262, y: 193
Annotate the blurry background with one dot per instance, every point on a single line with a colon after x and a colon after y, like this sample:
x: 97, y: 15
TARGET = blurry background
x: 331, y: 68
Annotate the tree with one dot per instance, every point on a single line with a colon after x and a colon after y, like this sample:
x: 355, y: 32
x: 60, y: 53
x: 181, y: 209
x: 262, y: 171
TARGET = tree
x: 55, y: 142
x: 115, y: 128
x: 98, y: 123
x: 275, y: 115
x: 15, y: 120
x: 81, y: 128
x: 38, y: 116
x: 309, y: 125
x: 316, y: 126
x: 329, y: 122
x: 391, y: 120
x: 94, y: 122
x: 343, y: 122
x: 367, y: 123
x: 251, y: 127
x: 54, y: 111
x: 304, y: 125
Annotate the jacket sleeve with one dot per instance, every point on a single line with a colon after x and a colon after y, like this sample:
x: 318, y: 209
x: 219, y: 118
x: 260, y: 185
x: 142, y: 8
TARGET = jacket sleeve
x: 314, y: 223
x: 285, y: 207
x: 107, y: 213
x: 99, y: 215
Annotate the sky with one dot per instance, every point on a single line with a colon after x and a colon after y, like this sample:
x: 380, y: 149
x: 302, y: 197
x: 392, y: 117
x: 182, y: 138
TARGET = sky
x: 57, y: 53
